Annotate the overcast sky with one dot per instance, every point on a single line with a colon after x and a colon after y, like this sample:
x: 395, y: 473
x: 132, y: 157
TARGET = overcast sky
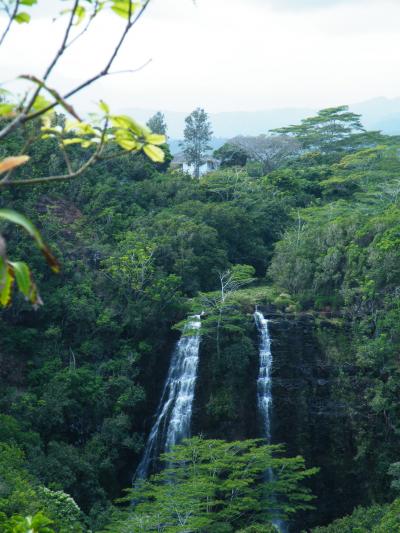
x: 226, y: 55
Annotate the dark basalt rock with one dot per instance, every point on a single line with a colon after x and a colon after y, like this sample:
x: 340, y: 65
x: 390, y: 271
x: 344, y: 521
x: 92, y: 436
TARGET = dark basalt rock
x: 225, y: 403
x: 309, y: 415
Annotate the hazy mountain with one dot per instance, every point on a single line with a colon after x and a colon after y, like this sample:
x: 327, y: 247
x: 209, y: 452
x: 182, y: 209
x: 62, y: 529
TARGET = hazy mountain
x: 229, y: 124
x: 377, y: 114
x: 380, y: 113
x: 215, y: 143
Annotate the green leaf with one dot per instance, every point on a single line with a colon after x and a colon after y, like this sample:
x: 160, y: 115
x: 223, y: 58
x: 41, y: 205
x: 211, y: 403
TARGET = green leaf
x: 121, y: 8
x: 155, y: 138
x: 23, y: 276
x: 28, y: 2
x: 127, y: 140
x: 5, y: 109
x: 31, y: 524
x: 22, y: 17
x: 57, y: 130
x: 121, y: 121
x: 21, y: 220
x: 80, y: 13
x: 125, y: 122
x: 127, y: 144
x: 25, y: 282
x: 86, y: 144
x: 154, y: 153
x: 104, y: 107
x: 6, y: 283
x: 85, y: 129
x: 40, y: 103
x: 74, y: 140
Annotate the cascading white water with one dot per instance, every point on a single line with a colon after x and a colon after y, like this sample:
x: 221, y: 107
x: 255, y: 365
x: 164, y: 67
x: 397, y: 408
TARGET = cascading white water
x: 264, y: 384
x: 175, y: 409
x: 264, y: 391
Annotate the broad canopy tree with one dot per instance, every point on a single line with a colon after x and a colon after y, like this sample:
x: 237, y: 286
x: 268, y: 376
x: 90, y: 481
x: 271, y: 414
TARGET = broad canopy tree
x: 219, y: 486
x: 231, y: 155
x: 328, y: 131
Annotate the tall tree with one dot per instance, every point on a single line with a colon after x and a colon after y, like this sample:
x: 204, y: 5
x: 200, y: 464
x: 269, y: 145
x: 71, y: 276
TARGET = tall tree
x: 157, y: 123
x: 197, y: 135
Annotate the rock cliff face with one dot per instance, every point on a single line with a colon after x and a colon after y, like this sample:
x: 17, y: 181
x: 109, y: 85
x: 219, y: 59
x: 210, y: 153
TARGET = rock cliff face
x: 309, y: 414
x: 225, y: 403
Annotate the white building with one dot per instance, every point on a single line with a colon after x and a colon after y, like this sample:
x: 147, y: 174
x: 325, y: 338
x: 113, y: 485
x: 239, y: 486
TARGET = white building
x: 209, y: 164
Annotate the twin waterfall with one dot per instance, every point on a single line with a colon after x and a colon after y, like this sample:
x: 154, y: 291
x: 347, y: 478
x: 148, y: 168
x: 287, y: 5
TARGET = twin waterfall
x: 174, y: 412
x: 175, y: 409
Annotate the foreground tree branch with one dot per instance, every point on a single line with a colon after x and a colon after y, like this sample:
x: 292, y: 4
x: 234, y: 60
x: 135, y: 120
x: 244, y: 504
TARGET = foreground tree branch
x: 26, y: 115
x: 118, y: 131
x: 11, y: 15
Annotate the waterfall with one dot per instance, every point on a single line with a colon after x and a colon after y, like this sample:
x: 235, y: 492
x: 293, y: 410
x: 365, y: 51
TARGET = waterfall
x: 264, y: 384
x: 174, y: 412
x: 264, y: 391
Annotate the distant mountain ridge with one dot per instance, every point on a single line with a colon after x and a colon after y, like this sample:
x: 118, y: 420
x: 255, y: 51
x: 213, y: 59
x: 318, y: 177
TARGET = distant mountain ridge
x: 379, y: 113
x: 215, y: 143
x: 230, y: 123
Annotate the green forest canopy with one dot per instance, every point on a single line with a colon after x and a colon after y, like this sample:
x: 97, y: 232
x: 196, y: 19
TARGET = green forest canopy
x: 138, y: 247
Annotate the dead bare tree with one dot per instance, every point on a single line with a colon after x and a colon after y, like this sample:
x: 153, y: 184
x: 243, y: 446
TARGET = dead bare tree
x: 271, y: 151
x: 218, y: 303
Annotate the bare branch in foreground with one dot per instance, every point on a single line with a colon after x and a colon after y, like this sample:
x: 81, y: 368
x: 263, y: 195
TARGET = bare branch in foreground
x: 10, y: 20
x: 25, y: 115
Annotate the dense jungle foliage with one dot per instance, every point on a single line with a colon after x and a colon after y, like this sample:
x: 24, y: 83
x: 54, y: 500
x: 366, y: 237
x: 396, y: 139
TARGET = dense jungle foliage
x: 143, y: 245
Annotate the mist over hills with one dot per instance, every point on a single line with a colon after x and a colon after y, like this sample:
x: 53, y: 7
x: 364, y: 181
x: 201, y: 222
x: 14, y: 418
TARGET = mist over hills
x: 230, y: 123
x: 379, y: 113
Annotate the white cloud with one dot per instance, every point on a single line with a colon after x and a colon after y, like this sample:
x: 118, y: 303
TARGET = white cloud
x: 228, y: 54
